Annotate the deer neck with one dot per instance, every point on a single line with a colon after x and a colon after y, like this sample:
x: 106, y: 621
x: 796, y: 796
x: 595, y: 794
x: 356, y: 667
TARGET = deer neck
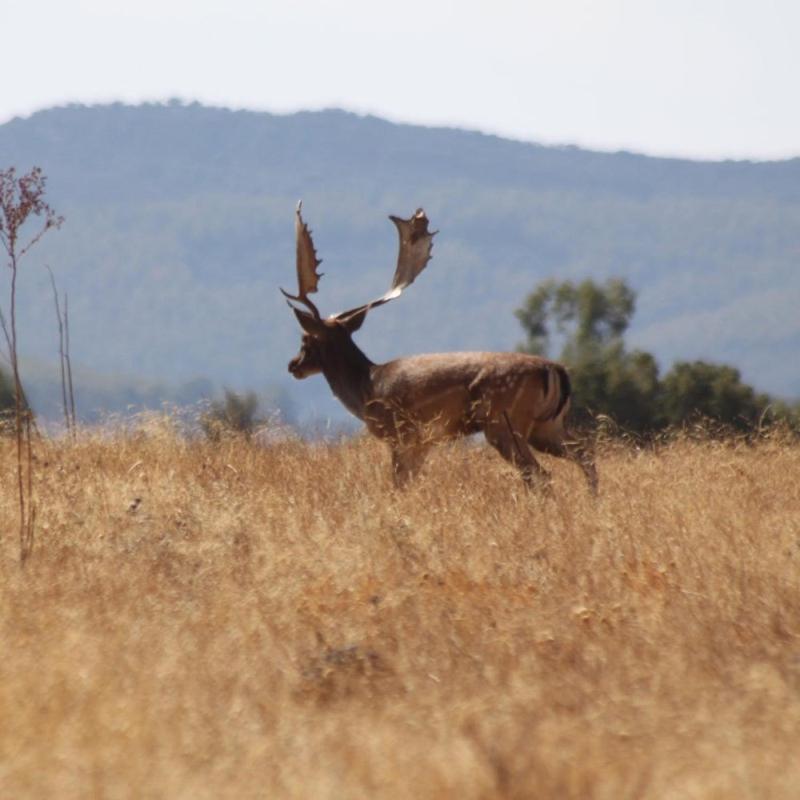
x: 348, y: 372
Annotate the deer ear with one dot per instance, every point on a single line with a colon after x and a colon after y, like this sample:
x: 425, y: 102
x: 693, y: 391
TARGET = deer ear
x: 352, y: 322
x: 309, y: 323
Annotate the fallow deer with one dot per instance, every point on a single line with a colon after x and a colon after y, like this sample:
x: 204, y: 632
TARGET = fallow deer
x: 518, y: 401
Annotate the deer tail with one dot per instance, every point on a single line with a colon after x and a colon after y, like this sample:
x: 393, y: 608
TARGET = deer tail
x: 557, y: 392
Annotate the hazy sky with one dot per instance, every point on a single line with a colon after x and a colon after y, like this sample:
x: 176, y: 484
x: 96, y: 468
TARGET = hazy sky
x: 699, y: 78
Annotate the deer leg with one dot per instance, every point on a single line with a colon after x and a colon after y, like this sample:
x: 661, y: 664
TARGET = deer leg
x: 406, y: 462
x: 513, y: 447
x: 556, y: 442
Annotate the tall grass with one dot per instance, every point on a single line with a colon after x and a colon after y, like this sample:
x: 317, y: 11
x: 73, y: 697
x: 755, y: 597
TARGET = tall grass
x: 236, y: 621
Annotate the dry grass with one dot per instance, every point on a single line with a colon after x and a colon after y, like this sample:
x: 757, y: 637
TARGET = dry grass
x: 277, y: 622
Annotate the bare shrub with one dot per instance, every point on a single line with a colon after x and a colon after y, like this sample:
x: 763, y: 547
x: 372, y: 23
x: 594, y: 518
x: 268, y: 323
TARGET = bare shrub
x: 236, y: 415
x: 21, y: 200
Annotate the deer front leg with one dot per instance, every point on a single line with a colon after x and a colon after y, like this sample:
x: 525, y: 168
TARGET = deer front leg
x: 514, y: 448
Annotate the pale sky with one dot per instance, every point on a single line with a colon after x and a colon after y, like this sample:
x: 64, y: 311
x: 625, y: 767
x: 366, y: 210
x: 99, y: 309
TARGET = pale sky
x: 695, y: 78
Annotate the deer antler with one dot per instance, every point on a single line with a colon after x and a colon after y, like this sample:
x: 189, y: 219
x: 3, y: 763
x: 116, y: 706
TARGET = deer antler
x: 307, y: 263
x: 416, y: 243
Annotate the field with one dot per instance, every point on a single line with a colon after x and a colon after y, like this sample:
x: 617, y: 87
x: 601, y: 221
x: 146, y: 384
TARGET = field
x: 238, y: 621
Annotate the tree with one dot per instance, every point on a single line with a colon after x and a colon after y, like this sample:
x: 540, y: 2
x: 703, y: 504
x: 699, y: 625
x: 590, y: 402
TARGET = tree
x: 716, y: 391
x: 587, y: 313
x: 591, y: 320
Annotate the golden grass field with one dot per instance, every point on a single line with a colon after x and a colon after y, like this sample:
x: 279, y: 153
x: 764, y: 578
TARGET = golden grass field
x: 277, y: 621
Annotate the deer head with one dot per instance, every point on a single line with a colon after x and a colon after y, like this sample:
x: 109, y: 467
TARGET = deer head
x: 326, y: 340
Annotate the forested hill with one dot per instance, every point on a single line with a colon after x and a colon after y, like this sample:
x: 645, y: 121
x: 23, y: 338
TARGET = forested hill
x: 179, y: 230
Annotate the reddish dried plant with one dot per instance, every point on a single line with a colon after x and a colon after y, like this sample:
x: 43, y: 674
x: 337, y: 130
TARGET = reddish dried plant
x: 22, y: 201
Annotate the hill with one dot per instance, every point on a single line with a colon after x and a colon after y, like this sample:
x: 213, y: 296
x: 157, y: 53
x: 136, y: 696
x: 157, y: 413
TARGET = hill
x: 179, y: 231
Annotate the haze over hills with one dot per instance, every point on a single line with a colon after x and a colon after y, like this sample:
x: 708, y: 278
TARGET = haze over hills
x: 179, y: 230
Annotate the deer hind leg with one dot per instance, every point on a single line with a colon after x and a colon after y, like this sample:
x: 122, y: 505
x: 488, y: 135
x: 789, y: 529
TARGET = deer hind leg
x: 513, y: 446
x: 407, y: 460
x: 551, y: 438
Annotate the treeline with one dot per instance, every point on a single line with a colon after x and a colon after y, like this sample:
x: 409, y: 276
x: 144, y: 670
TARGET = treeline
x: 581, y: 324
x: 589, y: 321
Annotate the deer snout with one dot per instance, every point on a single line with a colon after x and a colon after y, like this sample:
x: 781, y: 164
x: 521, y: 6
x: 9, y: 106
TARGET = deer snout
x: 301, y: 366
x: 294, y: 367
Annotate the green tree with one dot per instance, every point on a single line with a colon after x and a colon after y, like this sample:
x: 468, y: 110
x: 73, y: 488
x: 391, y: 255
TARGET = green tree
x: 716, y: 391
x: 591, y: 320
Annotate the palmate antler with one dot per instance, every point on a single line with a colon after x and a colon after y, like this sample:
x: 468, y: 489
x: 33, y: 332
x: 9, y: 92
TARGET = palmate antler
x: 416, y: 243
x: 307, y: 263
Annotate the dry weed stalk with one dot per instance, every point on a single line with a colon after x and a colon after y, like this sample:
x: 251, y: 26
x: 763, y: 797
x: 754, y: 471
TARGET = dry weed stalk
x: 68, y: 365
x: 65, y: 365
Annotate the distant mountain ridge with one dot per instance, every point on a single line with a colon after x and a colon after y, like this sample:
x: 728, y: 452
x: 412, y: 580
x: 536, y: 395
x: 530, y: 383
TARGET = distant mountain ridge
x: 179, y: 230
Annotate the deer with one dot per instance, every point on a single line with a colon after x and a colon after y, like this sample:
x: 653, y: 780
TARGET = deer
x: 518, y: 401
